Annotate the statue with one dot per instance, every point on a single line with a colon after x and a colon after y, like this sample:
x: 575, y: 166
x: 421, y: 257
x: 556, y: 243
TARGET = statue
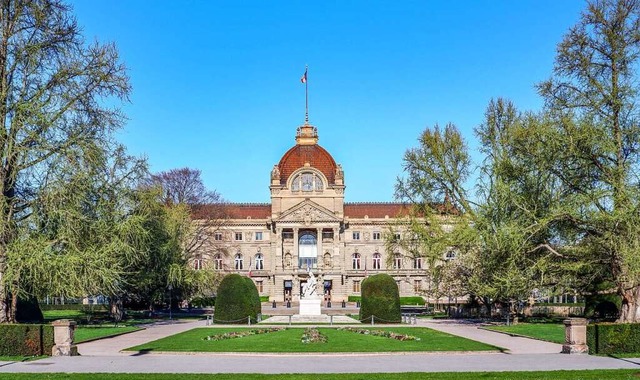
x: 310, y: 288
x: 275, y: 173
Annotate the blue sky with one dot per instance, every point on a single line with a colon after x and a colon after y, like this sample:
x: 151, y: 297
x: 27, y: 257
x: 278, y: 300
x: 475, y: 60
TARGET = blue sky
x: 216, y: 84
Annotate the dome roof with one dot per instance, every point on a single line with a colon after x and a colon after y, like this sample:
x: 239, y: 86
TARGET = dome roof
x: 315, y: 155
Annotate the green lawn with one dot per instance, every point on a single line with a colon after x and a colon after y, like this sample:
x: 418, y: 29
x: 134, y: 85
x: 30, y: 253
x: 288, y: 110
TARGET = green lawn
x: 551, y: 332
x: 85, y: 333
x: 547, y: 375
x: 288, y: 340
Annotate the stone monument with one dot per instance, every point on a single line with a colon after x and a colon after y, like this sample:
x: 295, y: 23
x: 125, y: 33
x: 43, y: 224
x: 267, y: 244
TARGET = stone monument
x: 309, y: 300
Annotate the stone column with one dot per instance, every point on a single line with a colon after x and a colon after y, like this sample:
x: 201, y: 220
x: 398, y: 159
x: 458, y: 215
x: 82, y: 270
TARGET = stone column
x: 63, y: 338
x: 575, y: 333
x: 320, y: 253
x: 295, y: 249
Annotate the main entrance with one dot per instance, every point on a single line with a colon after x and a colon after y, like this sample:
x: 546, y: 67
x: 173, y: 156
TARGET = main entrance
x: 307, y: 250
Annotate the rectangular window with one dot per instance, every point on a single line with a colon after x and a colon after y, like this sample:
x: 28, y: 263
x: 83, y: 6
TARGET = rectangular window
x: 396, y: 236
x: 356, y: 235
x: 238, y: 236
x: 258, y: 235
x: 376, y: 236
x: 287, y: 234
x: 259, y: 286
x: 217, y: 236
x: 356, y: 286
x: 417, y: 285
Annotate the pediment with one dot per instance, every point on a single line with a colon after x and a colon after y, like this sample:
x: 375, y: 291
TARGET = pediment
x: 308, y: 212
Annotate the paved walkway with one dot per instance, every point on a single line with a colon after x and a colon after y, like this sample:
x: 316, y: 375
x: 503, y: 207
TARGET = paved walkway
x: 522, y: 355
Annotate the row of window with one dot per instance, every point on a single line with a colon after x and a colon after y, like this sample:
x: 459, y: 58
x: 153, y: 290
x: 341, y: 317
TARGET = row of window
x: 417, y: 286
x: 258, y: 262
x: 238, y: 236
x: 376, y: 235
x: 356, y: 261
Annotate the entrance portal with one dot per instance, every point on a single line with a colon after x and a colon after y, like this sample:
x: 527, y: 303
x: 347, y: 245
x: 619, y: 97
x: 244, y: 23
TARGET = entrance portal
x: 307, y: 250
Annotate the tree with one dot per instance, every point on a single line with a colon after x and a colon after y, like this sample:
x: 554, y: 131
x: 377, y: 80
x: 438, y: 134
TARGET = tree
x: 593, y: 97
x: 52, y: 88
x: 184, y: 187
x: 559, y: 200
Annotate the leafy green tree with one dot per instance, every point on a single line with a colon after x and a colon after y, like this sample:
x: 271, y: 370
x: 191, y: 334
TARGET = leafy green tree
x: 593, y: 100
x: 52, y: 88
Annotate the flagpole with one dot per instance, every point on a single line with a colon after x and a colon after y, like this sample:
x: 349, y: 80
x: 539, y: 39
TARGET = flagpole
x: 306, y: 95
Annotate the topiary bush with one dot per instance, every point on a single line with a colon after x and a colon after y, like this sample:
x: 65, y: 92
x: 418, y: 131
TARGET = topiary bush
x: 236, y: 300
x: 380, y: 298
x: 25, y: 340
x: 613, y: 338
x: 255, y: 296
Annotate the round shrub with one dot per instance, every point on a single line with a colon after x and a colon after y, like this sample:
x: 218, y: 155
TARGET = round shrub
x: 236, y: 300
x: 255, y: 296
x: 380, y: 298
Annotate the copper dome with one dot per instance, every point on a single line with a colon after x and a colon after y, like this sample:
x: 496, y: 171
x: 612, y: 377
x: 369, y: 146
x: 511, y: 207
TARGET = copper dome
x: 315, y: 155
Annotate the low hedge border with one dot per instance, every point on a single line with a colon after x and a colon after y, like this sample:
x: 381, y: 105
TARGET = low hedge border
x: 26, y: 340
x: 75, y: 306
x: 613, y: 338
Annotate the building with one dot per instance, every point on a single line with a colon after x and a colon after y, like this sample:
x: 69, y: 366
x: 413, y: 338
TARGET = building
x: 308, y: 225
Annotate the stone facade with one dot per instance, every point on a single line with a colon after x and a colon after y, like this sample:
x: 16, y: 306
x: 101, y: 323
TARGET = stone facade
x: 308, y: 224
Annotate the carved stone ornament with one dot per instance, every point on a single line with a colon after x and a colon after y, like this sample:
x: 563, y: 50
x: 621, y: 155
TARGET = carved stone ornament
x: 339, y: 172
x: 308, y: 213
x: 275, y: 173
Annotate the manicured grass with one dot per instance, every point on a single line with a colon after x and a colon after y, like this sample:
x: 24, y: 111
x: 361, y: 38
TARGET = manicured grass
x: 51, y: 315
x: 551, y: 332
x: 85, y: 333
x: 288, y: 340
x: 547, y: 375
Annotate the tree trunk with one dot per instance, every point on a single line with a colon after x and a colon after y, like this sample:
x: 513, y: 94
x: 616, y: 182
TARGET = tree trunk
x: 630, y: 310
x: 116, y: 309
x: 4, y: 297
x: 14, y: 308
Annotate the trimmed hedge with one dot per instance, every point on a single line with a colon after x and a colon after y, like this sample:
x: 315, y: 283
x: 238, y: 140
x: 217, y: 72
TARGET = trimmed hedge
x: 236, y: 300
x: 75, y: 306
x: 613, y: 338
x: 26, y: 340
x: 380, y: 299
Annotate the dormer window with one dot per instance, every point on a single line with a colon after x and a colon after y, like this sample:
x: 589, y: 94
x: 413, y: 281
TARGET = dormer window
x: 307, y: 181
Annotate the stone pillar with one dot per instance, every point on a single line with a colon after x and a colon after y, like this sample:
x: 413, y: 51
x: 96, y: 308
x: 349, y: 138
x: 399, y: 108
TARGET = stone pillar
x: 575, y: 332
x: 63, y: 330
x: 295, y: 249
x: 319, y: 251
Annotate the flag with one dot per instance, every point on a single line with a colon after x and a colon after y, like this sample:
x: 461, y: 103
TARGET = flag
x: 304, y: 77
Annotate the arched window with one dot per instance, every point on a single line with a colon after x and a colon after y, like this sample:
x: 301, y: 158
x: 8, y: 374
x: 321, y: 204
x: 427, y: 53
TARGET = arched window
x: 397, y: 261
x: 307, y: 181
x: 307, y: 250
x: 217, y: 261
x: 377, y: 258
x: 197, y: 263
x: 417, y: 263
x: 259, y: 262
x: 356, y: 260
x: 238, y: 261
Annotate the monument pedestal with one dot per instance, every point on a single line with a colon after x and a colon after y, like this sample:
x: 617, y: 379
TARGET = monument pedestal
x: 310, y: 306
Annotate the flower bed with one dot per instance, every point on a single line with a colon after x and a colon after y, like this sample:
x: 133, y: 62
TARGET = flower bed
x: 383, y: 333
x: 240, y: 334
x: 312, y: 335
